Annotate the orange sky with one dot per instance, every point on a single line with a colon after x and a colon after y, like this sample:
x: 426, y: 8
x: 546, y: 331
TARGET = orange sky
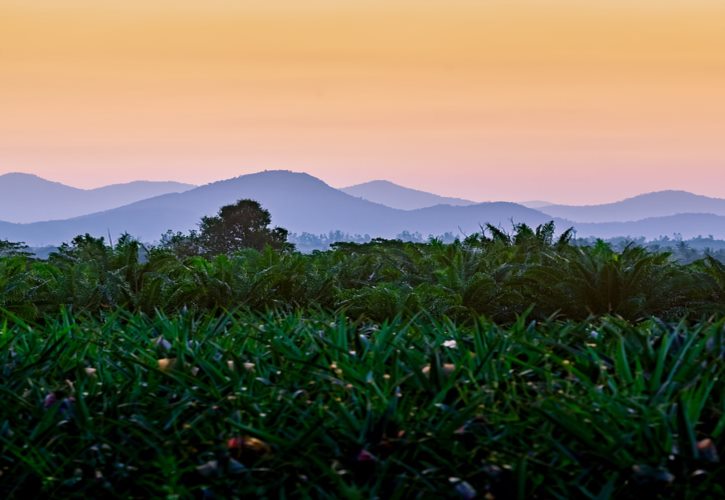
x: 572, y: 101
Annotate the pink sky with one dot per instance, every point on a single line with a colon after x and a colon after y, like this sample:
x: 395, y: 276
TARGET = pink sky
x: 577, y: 102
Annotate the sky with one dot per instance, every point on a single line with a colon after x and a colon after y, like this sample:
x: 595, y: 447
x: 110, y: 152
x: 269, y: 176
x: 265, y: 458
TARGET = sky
x: 574, y: 101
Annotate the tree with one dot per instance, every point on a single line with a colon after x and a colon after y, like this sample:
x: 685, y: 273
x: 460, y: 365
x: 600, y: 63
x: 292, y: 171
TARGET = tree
x: 180, y: 244
x: 244, y: 224
x: 11, y: 248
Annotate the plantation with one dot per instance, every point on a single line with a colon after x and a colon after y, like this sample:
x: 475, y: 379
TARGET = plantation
x: 503, y: 366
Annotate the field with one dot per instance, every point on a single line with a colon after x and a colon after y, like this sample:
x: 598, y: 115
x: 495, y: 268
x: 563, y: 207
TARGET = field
x: 506, y: 367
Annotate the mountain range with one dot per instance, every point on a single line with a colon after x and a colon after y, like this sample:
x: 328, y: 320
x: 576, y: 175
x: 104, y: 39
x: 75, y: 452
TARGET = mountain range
x: 29, y: 198
x: 644, y: 206
x: 297, y: 201
x: 302, y: 203
x: 395, y: 196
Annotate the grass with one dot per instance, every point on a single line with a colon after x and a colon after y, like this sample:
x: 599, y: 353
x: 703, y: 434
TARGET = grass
x: 318, y: 405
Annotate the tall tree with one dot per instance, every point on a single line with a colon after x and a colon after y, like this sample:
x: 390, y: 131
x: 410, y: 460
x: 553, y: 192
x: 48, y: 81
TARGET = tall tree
x: 244, y: 224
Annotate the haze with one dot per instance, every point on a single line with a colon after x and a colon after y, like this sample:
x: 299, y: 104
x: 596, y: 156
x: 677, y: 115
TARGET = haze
x: 575, y: 102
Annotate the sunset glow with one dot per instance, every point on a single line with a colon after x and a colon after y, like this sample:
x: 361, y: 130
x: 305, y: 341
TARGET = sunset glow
x: 569, y: 101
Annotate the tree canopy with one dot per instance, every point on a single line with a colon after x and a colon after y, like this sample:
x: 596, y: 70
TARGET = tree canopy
x: 10, y: 248
x: 244, y: 224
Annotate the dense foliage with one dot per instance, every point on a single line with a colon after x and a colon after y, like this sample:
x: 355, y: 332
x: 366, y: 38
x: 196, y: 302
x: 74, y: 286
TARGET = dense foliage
x: 323, y: 406
x: 244, y: 224
x: 506, y: 365
x: 682, y: 250
x: 500, y: 276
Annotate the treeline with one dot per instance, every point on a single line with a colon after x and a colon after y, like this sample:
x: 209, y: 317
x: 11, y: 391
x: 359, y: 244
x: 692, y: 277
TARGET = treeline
x: 308, y: 242
x: 490, y: 273
x: 681, y: 250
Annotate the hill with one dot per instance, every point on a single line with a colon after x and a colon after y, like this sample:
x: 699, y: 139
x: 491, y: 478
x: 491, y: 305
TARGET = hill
x: 659, y: 204
x: 29, y: 198
x: 538, y: 204
x: 687, y: 226
x: 396, y: 196
x: 298, y: 202
x: 305, y: 204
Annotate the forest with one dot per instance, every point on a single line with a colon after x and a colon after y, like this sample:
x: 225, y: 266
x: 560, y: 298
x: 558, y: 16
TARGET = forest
x: 505, y: 365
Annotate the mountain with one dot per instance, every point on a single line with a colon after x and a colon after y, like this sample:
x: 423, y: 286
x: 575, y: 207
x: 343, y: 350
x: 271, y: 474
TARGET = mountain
x: 302, y: 203
x: 659, y: 204
x: 686, y: 225
x: 298, y: 202
x: 29, y: 198
x: 538, y: 204
x: 395, y: 196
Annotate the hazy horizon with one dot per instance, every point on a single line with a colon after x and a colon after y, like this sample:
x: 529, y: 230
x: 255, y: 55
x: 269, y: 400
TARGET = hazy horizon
x: 575, y: 102
x: 408, y: 186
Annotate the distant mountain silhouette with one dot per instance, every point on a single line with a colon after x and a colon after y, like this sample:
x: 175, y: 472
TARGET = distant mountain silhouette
x: 298, y: 202
x: 302, y: 203
x: 396, y: 196
x: 659, y: 204
x: 538, y: 204
x: 686, y: 225
x: 29, y: 198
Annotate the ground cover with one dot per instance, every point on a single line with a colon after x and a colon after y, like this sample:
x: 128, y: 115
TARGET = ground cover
x: 318, y: 404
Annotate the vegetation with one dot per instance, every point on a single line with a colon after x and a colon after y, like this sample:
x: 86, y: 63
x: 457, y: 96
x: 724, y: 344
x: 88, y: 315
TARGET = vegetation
x: 8, y: 248
x: 685, y: 251
x: 494, y: 274
x: 321, y: 405
x: 506, y: 365
x: 242, y: 225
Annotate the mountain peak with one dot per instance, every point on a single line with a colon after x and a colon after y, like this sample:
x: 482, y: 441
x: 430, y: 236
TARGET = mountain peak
x: 401, y: 197
x: 24, y: 177
x: 14, y: 185
x: 26, y: 198
x: 656, y: 204
x: 281, y: 179
x: 378, y: 182
x: 11, y: 175
x: 669, y: 193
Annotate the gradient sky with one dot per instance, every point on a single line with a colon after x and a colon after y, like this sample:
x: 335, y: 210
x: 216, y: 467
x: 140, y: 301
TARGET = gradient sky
x: 572, y: 101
